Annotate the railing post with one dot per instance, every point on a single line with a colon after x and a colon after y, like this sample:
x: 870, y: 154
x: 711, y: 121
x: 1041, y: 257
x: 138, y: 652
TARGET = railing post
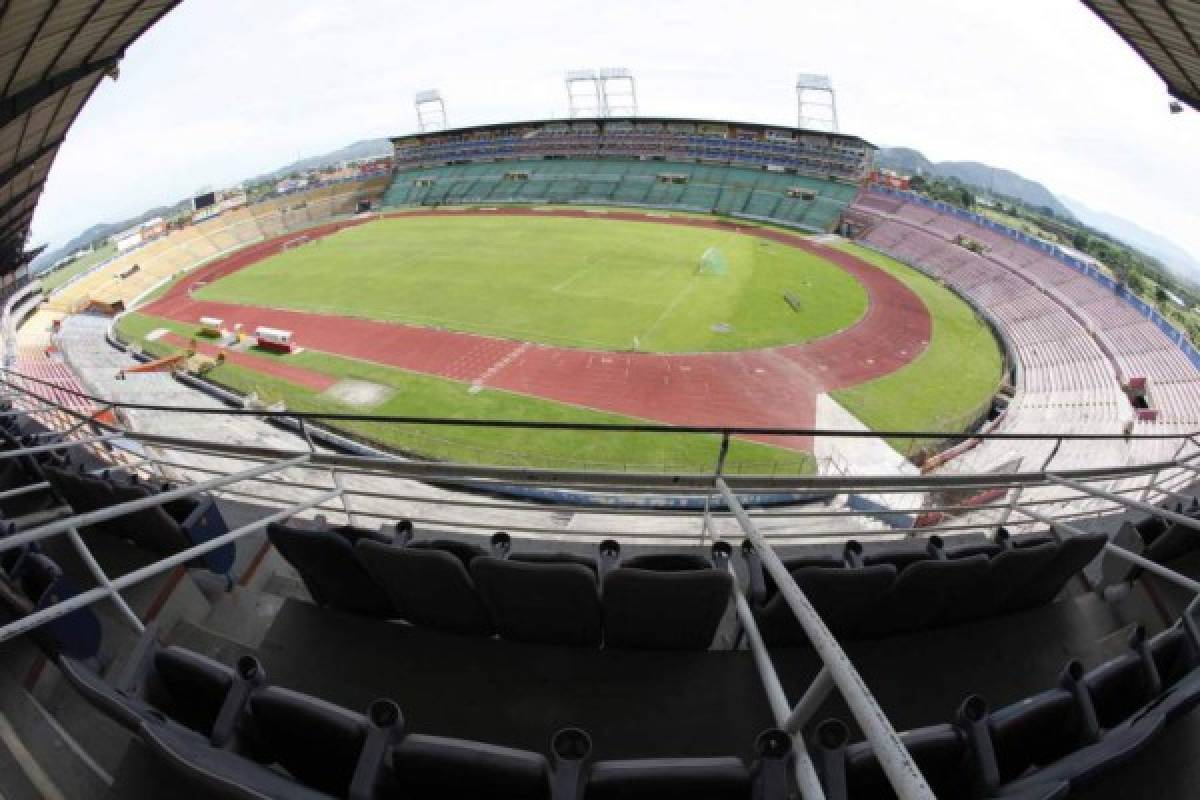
x: 333, y: 473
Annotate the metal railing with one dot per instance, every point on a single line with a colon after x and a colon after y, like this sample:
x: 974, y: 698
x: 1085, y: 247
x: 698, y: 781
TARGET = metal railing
x: 376, y: 487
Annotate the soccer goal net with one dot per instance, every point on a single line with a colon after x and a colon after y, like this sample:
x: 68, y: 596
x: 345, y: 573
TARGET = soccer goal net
x: 713, y: 263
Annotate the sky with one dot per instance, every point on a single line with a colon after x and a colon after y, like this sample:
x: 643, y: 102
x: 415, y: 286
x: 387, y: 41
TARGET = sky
x: 221, y: 90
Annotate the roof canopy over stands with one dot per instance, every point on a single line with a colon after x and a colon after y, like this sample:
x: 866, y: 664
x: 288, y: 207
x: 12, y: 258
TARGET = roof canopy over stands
x: 53, y: 54
x: 1165, y: 33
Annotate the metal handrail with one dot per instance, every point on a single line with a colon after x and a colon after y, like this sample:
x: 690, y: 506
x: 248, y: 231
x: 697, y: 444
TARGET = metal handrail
x: 898, y: 765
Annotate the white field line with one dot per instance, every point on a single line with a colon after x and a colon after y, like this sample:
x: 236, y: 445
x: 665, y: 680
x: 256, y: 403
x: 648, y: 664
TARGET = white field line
x: 559, y: 287
x: 667, y: 311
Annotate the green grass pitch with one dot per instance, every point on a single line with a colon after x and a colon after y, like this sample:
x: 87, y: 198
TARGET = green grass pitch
x: 596, y: 283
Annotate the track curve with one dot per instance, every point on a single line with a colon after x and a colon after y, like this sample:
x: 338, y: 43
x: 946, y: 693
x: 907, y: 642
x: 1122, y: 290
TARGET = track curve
x: 774, y: 386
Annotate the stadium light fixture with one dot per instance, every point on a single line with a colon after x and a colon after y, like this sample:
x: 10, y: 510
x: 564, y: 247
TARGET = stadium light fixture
x: 431, y: 111
x: 816, y: 103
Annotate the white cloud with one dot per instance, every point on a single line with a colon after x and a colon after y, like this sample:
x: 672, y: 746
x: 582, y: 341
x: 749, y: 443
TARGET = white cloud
x: 221, y: 89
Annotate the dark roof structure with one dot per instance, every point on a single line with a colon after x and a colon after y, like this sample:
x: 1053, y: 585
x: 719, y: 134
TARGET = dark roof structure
x: 1165, y: 33
x: 53, y: 54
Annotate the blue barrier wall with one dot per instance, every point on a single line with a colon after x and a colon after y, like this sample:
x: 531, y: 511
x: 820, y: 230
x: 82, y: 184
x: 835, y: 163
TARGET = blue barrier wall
x: 1178, y: 337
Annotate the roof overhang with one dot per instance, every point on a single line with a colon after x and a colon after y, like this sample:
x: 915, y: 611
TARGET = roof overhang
x: 1165, y: 33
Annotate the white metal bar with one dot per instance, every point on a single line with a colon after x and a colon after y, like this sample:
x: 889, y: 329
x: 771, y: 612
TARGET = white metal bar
x: 121, y: 509
x: 813, y: 697
x: 1143, y: 562
x: 99, y: 574
x: 806, y: 775
x: 901, y: 770
x: 23, y: 624
x: 1149, y: 508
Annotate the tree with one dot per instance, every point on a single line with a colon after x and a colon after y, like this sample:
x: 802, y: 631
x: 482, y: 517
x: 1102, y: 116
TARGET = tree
x: 1160, y: 296
x: 965, y: 197
x: 918, y: 183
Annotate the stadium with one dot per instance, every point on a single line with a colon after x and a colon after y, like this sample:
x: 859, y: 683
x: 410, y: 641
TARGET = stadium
x: 606, y: 455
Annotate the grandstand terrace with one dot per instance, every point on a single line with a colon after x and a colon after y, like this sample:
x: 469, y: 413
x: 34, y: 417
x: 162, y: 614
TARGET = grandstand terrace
x: 790, y: 176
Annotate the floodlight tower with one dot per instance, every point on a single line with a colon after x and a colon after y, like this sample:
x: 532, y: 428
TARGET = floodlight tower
x: 431, y: 111
x: 618, y: 92
x: 585, y: 97
x: 816, y: 104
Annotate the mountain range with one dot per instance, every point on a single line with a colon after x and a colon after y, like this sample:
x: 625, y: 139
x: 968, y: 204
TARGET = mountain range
x: 1005, y: 182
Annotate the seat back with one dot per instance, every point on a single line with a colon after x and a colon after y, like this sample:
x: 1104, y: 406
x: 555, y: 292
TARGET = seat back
x: 317, y: 742
x: 844, y: 597
x: 654, y: 779
x: 1074, y: 553
x: 329, y: 569
x: 1008, y: 571
x: 434, y: 767
x: 151, y: 528
x: 922, y: 593
x: 78, y: 633
x: 427, y: 586
x: 652, y: 609
x: 939, y: 751
x: 1118, y: 688
x: 1034, y: 732
x: 542, y: 601
x: 188, y: 687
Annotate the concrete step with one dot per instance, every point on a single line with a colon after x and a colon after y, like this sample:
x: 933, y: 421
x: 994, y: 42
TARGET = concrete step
x: 243, y: 616
x: 201, y: 640
x: 55, y: 760
x: 20, y: 775
x: 286, y: 587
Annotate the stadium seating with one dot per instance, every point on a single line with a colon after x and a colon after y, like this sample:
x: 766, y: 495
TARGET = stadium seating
x: 523, y: 597
x: 235, y: 735
x: 754, y: 194
x: 1076, y: 340
x: 893, y: 592
x: 1044, y: 745
x: 163, y: 529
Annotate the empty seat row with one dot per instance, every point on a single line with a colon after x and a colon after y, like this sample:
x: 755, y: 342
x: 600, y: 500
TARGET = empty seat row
x: 1158, y: 539
x: 225, y: 728
x: 657, y: 601
x: 869, y: 595
x: 164, y: 529
x: 1042, y: 746
x: 25, y: 472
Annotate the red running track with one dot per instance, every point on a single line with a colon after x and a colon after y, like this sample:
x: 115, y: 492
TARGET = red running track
x: 771, y: 387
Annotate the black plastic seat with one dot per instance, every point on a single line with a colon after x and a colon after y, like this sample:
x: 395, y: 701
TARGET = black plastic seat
x: 678, y: 609
x: 940, y: 752
x: 1074, y: 553
x: 1118, y: 688
x: 843, y: 596
x: 1035, y: 732
x: 463, y: 551
x: 434, y: 767
x: 922, y: 593
x: 327, y: 565
x: 188, y: 687
x: 541, y: 601
x: 317, y: 742
x: 1007, y: 573
x: 1172, y: 659
x: 35, y: 582
x: 428, y: 587
x: 669, y: 779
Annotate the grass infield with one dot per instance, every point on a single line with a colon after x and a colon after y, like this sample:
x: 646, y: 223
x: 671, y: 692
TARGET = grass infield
x: 596, y: 283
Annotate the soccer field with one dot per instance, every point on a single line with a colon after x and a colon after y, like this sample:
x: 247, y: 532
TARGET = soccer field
x: 603, y: 284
